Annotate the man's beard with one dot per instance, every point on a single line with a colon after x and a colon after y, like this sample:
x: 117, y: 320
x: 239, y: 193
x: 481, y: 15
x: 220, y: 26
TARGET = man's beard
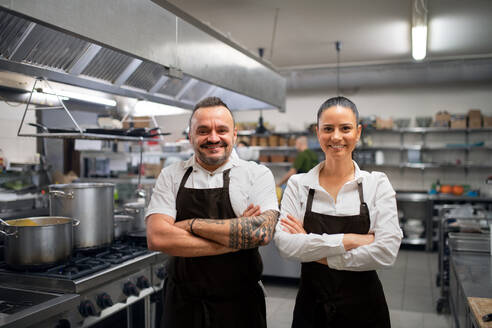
x: 213, y: 161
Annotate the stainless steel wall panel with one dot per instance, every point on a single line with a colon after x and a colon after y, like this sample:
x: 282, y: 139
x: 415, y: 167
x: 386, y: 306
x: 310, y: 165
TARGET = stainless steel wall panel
x: 107, y: 65
x: 173, y: 86
x: 141, y: 28
x: 146, y: 76
x: 202, y: 56
x: 50, y: 48
x: 144, y: 30
x: 196, y: 92
x: 12, y: 29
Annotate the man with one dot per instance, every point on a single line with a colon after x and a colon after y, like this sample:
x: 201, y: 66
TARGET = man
x: 305, y: 160
x: 214, y: 268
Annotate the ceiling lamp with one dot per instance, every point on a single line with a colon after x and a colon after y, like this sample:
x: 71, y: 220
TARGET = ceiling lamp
x: 148, y: 108
x: 419, y: 29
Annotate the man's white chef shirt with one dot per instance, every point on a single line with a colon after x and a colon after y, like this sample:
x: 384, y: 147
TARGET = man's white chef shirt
x: 250, y: 183
x: 380, y: 198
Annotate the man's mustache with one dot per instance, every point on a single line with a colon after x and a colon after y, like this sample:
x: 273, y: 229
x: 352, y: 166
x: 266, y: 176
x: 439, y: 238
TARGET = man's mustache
x: 220, y: 144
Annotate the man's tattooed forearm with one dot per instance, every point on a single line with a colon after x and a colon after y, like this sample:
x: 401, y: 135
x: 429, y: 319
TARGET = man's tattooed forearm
x: 250, y: 232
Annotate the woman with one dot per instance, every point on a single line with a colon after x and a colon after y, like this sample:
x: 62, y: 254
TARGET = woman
x: 342, y: 223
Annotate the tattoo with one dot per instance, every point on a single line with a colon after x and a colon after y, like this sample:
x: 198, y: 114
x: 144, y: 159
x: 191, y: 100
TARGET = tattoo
x: 250, y: 232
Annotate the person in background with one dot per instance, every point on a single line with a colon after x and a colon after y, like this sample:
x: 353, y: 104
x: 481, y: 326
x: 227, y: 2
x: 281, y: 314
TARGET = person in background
x: 199, y: 214
x: 342, y: 224
x: 305, y: 160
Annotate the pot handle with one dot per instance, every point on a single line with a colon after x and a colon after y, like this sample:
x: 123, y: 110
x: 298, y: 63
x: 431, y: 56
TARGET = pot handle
x: 59, y: 193
x: 9, y: 234
x: 75, y: 222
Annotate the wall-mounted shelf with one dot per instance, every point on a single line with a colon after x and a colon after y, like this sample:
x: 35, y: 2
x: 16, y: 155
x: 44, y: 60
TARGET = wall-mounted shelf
x: 427, y: 130
x: 277, y: 164
x: 430, y: 165
x: 89, y: 136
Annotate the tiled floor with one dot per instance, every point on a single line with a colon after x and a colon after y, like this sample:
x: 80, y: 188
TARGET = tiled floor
x: 409, y: 286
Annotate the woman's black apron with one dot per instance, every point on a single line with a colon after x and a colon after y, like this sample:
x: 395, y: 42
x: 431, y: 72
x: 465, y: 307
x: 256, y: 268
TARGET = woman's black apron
x: 339, y: 298
x: 212, y: 291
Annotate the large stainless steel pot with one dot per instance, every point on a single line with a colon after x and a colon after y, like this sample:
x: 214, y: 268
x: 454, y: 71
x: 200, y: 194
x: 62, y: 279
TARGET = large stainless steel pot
x: 38, y: 241
x: 137, y: 210
x: 92, y: 204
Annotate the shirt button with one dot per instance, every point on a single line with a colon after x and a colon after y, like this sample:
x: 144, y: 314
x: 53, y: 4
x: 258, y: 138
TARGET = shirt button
x: 211, y: 174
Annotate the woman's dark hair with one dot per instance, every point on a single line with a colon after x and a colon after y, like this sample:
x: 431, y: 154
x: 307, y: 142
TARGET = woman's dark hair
x: 338, y: 101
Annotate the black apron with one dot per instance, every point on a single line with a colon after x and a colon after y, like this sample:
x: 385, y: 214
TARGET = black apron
x: 212, y: 291
x: 339, y: 298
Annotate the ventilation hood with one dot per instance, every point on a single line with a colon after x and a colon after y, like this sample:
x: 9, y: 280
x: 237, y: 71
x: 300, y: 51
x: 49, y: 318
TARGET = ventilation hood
x: 139, y: 49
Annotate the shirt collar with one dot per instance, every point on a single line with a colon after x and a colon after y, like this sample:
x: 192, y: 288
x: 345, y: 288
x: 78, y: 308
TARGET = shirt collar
x: 233, y: 161
x: 311, y: 178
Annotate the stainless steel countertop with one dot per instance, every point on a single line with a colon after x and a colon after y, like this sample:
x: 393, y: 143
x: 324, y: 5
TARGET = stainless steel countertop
x: 474, y: 272
x: 422, y: 196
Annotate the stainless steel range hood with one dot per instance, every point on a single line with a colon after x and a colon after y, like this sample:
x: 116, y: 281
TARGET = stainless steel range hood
x: 136, y: 49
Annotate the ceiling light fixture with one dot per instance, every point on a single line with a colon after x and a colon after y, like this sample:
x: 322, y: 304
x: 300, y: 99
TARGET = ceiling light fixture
x: 88, y: 98
x: 148, y: 108
x: 67, y: 95
x: 419, y: 29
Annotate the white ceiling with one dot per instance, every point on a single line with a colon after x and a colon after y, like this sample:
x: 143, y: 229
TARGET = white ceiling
x: 371, y: 31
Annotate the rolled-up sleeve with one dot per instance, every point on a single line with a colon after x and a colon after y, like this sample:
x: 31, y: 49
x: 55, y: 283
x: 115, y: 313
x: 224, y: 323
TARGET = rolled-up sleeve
x: 163, y: 199
x: 303, y: 247
x: 387, y: 234
x: 262, y: 190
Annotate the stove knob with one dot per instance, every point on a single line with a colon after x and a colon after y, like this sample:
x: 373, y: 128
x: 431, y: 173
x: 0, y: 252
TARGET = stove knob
x: 63, y: 323
x: 143, y: 282
x: 86, y: 308
x: 104, y: 300
x: 161, y: 273
x: 129, y: 288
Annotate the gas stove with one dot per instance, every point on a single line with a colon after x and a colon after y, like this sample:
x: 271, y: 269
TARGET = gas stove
x: 106, y: 281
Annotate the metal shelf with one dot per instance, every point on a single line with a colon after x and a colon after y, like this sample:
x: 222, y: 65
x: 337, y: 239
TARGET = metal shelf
x: 429, y: 166
x: 424, y: 148
x: 89, y: 136
x: 274, y: 148
x: 427, y: 130
x: 279, y: 164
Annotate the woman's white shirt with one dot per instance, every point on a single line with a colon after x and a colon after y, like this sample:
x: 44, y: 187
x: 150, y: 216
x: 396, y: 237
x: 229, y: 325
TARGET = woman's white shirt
x: 381, y: 201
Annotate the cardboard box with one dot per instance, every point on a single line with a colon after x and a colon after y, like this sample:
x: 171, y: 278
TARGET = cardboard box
x: 264, y: 158
x: 475, y: 123
x: 273, y: 141
x: 383, y: 124
x: 277, y: 158
x: 442, y: 119
x: 458, y: 121
x: 487, y: 121
x: 137, y: 122
x: 475, y: 114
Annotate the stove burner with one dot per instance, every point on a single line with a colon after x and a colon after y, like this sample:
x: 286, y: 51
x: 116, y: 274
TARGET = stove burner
x: 84, y: 263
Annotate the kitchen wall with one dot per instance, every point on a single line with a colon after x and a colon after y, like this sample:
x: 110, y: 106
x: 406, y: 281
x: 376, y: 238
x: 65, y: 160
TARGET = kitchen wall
x: 16, y: 149
x: 301, y: 108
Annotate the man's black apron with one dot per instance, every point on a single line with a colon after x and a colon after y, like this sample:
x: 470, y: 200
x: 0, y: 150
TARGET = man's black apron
x: 339, y: 298
x: 212, y: 291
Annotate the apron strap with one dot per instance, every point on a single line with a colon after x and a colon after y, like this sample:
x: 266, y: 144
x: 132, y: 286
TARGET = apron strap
x: 185, y: 177
x: 361, y: 192
x: 226, y: 179
x: 363, y: 206
x: 310, y: 198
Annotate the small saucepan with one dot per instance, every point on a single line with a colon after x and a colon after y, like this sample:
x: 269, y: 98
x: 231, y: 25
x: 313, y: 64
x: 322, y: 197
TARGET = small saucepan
x: 123, y: 224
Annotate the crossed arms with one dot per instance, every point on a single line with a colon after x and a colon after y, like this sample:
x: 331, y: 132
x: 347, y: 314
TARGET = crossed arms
x: 210, y: 236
